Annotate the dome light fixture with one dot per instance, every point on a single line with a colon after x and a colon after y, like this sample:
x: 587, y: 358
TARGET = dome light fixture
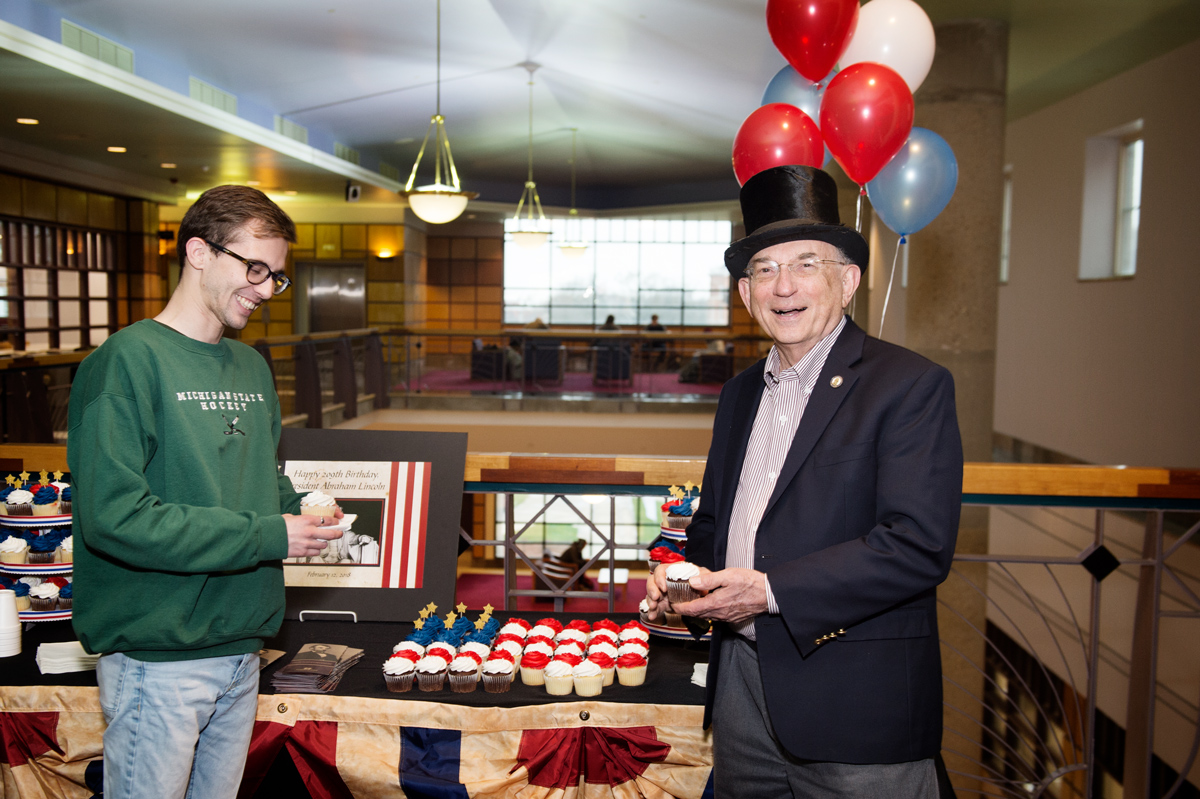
x: 437, y: 202
x: 530, y: 232
x: 574, y: 247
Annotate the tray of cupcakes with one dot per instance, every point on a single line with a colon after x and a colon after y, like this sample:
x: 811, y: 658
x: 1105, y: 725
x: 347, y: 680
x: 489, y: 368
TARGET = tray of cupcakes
x: 36, y: 550
x: 578, y: 657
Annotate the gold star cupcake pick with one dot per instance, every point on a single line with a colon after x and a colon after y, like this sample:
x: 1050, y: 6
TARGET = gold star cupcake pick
x: 689, y: 485
x: 461, y: 607
x: 479, y: 623
x: 451, y: 617
x: 487, y: 609
x: 418, y: 624
x: 10, y: 479
x: 424, y: 614
x: 58, y: 477
x: 432, y: 607
x: 24, y: 477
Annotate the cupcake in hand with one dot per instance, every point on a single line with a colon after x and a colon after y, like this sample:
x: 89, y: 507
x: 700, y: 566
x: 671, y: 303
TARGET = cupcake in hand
x: 679, y: 587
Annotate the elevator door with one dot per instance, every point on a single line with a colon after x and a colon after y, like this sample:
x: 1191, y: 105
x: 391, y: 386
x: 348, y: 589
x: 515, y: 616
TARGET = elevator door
x: 336, y: 297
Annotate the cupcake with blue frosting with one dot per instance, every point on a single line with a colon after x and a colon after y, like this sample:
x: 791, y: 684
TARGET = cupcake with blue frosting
x: 45, y: 501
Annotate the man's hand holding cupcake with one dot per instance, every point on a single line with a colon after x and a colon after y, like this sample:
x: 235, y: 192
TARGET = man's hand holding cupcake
x: 729, y: 595
x: 309, y: 534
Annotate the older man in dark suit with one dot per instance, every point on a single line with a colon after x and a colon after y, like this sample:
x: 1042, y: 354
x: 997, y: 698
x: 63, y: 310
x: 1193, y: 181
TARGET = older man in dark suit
x: 829, y: 515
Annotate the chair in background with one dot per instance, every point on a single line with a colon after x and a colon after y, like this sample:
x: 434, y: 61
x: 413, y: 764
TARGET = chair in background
x: 543, y: 360
x: 614, y: 361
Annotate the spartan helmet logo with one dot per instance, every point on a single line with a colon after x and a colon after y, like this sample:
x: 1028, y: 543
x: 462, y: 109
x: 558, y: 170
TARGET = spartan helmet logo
x: 232, y: 426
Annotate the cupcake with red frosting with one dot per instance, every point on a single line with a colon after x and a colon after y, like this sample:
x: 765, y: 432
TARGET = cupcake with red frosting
x: 568, y: 657
x: 533, y: 668
x: 663, y: 556
x: 607, y: 664
x: 631, y: 669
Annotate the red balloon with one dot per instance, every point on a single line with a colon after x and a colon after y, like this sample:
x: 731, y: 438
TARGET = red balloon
x: 866, y: 116
x: 812, y: 34
x: 776, y: 134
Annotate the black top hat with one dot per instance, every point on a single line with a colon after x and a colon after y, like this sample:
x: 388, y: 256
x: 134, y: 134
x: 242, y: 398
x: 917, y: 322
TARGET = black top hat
x: 792, y: 203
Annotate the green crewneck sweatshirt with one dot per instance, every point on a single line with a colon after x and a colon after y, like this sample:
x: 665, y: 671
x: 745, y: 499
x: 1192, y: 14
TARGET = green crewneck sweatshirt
x: 177, y: 497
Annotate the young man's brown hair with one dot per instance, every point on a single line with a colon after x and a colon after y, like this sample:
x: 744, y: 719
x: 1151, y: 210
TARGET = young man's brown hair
x: 219, y: 213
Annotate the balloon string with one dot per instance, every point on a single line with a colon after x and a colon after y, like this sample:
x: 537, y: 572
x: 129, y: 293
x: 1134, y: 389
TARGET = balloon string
x: 862, y: 191
x: 888, y: 295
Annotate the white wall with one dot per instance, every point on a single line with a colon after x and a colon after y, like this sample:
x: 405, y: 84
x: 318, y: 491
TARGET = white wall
x: 1106, y: 371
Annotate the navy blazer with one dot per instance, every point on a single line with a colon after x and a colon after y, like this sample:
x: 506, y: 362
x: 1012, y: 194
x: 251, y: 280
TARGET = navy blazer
x: 858, y: 532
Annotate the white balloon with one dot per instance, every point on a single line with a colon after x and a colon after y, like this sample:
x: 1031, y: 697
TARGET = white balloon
x: 895, y: 33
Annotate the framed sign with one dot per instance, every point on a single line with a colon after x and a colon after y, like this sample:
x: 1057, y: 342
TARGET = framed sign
x: 401, y: 494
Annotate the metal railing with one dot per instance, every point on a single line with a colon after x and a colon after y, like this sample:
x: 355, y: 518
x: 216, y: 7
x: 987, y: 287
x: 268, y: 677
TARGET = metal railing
x: 1038, y: 668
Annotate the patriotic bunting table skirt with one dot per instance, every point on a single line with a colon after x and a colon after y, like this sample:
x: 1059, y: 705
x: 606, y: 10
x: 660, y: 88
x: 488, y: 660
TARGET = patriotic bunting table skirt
x: 432, y: 746
x: 360, y: 747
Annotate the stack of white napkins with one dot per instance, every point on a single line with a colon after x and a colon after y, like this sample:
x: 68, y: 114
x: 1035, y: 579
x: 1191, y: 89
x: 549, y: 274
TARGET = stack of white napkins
x: 64, y: 657
x: 699, y: 674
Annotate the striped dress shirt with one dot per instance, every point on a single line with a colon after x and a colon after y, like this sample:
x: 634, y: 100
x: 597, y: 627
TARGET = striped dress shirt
x: 775, y: 424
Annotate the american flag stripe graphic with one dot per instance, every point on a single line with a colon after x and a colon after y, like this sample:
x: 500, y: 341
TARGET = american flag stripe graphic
x: 406, y: 525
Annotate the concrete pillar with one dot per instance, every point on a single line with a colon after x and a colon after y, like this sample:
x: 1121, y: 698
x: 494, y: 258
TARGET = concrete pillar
x: 950, y: 318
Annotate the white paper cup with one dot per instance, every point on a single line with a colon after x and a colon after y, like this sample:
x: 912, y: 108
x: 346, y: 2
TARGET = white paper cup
x: 8, y: 610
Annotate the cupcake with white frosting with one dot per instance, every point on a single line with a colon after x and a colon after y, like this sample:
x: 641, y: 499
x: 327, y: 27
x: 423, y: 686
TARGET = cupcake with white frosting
x: 588, y: 678
x: 14, y: 550
x: 398, y: 673
x: 559, y: 678
x: 679, y: 589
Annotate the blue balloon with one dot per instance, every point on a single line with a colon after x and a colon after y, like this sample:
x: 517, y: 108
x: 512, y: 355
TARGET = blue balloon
x: 916, y: 184
x: 789, y: 86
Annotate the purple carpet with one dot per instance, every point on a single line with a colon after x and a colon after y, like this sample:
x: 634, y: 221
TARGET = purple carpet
x: 573, y: 383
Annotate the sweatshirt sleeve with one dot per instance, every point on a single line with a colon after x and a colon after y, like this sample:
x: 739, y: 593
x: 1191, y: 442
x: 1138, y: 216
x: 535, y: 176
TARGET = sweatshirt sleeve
x: 119, y: 517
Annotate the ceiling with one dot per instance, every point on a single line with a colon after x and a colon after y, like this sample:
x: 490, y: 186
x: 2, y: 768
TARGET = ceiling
x: 656, y: 88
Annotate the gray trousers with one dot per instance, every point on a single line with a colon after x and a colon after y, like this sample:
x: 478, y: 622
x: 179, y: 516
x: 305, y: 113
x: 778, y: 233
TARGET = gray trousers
x: 749, y: 763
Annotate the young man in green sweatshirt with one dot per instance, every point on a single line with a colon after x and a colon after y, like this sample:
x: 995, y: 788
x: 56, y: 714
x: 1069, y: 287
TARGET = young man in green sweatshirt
x: 181, y: 516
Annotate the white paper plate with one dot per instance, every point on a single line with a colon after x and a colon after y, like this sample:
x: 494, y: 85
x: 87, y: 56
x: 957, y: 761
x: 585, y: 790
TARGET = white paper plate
x: 344, y: 524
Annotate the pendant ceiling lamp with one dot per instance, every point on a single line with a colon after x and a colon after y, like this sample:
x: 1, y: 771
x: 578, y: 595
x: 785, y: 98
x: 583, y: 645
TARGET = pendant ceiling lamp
x: 574, y: 246
x: 437, y: 202
x: 532, y: 231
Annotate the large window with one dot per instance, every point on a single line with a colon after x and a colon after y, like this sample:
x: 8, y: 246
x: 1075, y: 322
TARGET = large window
x: 1129, y: 207
x: 55, y: 286
x: 1112, y: 203
x: 631, y: 268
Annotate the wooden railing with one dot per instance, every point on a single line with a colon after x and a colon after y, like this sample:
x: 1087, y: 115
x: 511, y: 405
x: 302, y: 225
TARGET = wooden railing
x: 647, y: 475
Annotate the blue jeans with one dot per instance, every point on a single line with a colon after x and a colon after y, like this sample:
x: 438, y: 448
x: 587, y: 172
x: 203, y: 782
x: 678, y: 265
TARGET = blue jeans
x: 178, y: 729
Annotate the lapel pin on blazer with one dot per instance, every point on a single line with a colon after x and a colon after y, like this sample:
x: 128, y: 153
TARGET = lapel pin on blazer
x: 835, y: 381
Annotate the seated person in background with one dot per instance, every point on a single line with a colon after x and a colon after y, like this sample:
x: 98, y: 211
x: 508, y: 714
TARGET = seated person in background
x: 657, y: 347
x: 574, y: 556
x: 512, y: 359
x: 610, y: 323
